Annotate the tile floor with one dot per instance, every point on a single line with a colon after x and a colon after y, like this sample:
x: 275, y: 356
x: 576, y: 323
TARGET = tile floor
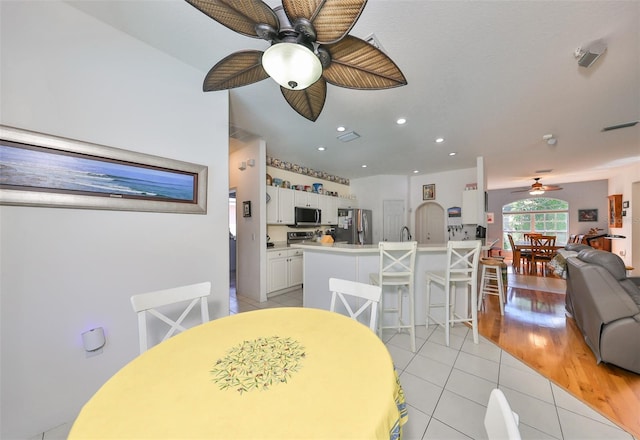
x: 447, y: 388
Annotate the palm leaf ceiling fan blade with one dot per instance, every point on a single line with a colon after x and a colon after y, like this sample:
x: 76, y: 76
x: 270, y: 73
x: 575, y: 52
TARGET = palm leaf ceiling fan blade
x: 308, y: 102
x: 236, y: 70
x: 332, y: 19
x: 356, y: 64
x: 239, y: 16
x: 315, y: 30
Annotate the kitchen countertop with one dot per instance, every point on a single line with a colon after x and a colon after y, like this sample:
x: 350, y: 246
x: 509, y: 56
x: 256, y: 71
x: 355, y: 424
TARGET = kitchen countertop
x: 364, y: 248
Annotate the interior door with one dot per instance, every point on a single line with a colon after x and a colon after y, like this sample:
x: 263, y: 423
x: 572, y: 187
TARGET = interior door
x: 393, y: 219
x: 430, y: 224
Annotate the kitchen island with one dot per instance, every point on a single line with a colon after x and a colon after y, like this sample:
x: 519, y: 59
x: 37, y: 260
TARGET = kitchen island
x: 355, y: 262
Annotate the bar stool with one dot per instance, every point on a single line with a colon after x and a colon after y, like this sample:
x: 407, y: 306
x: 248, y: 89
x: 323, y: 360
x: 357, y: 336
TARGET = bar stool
x: 397, y: 264
x: 491, y: 282
x: 462, y: 267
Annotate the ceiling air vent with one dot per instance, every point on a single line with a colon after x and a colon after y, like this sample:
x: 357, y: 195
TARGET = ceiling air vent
x: 373, y: 40
x: 348, y: 136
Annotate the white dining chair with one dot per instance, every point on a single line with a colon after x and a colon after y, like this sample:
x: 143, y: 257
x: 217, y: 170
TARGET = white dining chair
x: 396, y: 271
x: 462, y: 268
x: 343, y: 289
x: 144, y: 303
x: 500, y: 422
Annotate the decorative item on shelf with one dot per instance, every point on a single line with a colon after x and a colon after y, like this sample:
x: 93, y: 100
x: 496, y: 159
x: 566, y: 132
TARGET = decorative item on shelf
x: 317, y: 188
x: 269, y: 180
x: 277, y: 181
x: 277, y: 163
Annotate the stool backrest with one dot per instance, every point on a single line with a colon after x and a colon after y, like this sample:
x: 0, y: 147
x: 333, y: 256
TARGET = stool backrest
x: 397, y: 262
x: 462, y: 260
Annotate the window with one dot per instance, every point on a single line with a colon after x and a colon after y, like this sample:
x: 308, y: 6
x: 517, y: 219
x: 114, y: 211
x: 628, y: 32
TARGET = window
x: 540, y: 215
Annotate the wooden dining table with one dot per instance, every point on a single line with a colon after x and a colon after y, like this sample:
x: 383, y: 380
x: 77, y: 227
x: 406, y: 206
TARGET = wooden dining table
x: 552, y: 250
x: 280, y: 373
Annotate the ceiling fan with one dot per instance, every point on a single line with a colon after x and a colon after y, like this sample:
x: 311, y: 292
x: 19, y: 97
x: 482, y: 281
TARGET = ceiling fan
x: 538, y: 188
x: 310, y: 47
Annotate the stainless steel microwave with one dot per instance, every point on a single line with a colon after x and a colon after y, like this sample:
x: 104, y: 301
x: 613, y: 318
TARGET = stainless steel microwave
x: 307, y: 216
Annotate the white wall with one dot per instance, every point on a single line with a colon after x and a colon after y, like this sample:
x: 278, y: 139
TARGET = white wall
x: 372, y: 191
x: 64, y: 271
x: 622, y: 182
x: 449, y: 188
x: 250, y: 185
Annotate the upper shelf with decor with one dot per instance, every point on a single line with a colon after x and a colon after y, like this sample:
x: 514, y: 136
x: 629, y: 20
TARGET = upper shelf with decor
x: 294, y: 168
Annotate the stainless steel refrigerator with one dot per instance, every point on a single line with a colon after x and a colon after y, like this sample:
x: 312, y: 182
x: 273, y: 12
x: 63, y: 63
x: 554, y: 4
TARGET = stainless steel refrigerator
x: 354, y: 226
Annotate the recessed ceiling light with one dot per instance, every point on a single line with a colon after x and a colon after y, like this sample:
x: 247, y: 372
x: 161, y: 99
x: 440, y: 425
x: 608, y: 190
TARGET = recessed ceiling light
x: 415, y: 171
x: 321, y: 148
x: 452, y: 154
x: 364, y: 166
x: 341, y: 128
x: 439, y: 140
x: 401, y: 121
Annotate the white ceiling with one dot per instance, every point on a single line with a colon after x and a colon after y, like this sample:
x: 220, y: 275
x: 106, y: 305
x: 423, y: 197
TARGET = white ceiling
x: 491, y: 77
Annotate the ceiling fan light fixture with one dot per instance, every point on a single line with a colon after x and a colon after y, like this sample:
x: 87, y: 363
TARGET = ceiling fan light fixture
x: 536, y: 192
x: 292, y: 65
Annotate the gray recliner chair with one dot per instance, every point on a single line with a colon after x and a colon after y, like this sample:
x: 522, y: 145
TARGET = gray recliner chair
x: 605, y: 304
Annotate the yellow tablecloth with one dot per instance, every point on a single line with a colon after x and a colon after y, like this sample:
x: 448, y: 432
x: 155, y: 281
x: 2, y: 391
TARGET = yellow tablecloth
x: 277, y: 373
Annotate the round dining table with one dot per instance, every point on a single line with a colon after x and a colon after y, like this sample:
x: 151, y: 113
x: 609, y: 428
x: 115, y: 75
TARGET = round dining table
x: 280, y: 373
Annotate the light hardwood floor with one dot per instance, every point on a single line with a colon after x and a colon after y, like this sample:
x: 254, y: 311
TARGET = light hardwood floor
x: 535, y: 330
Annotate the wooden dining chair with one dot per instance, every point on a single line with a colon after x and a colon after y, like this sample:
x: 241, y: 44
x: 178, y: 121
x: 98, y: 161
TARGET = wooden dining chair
x: 519, y: 256
x: 144, y: 303
x: 542, y: 251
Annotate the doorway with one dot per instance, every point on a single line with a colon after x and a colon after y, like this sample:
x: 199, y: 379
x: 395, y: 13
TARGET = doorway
x: 232, y: 243
x: 393, y: 219
x: 430, y: 224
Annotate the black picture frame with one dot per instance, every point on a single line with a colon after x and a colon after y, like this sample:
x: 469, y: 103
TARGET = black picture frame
x: 587, y: 215
x: 625, y: 204
x: 246, y: 208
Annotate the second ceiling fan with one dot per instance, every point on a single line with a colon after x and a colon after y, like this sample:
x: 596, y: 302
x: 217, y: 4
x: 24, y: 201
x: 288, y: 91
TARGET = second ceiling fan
x: 538, y: 188
x: 310, y: 47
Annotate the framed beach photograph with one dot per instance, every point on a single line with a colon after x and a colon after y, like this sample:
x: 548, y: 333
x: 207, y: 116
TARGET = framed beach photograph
x: 50, y: 171
x: 587, y: 215
x: 429, y: 191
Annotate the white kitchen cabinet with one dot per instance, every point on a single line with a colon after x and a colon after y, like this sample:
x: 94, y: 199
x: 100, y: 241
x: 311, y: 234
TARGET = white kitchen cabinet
x: 295, y: 267
x: 306, y: 199
x: 284, y: 269
x: 344, y: 203
x: 280, y: 208
x: 470, y: 207
x: 329, y: 209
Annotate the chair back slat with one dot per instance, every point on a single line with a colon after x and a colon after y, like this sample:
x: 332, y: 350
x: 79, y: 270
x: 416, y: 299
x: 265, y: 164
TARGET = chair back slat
x: 343, y: 289
x: 149, y: 303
